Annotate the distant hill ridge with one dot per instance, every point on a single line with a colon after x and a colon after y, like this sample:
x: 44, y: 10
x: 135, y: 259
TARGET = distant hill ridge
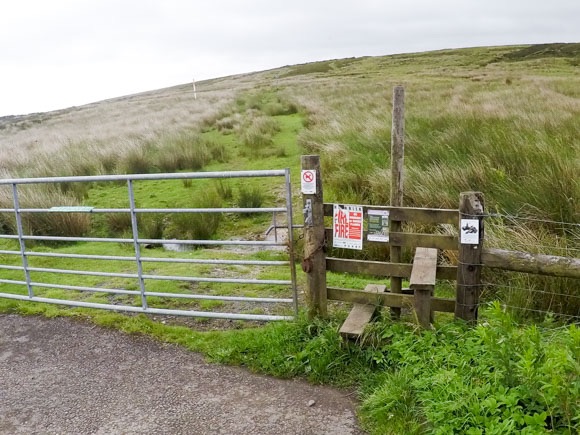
x: 519, y: 53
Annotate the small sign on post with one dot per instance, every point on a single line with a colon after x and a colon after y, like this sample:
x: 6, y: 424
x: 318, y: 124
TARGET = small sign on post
x: 347, y: 226
x: 308, y: 182
x: 469, y: 231
x: 378, y: 226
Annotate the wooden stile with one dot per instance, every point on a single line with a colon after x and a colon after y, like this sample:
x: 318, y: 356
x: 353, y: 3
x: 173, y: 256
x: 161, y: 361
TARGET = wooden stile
x: 387, y: 299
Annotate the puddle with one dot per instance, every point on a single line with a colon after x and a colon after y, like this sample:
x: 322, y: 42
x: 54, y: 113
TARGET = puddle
x: 177, y: 247
x: 279, y: 236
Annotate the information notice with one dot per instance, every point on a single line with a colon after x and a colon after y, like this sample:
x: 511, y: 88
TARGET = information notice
x: 378, y: 221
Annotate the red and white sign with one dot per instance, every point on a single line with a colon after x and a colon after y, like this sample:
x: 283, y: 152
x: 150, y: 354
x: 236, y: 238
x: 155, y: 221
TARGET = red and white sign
x: 347, y: 226
x: 308, y: 182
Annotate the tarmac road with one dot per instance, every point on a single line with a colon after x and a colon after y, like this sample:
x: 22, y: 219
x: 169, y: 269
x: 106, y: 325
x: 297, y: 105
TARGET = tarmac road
x: 61, y: 376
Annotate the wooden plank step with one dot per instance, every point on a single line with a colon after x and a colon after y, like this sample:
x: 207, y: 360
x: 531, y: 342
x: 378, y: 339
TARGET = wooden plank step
x: 360, y: 315
x: 422, y: 282
x: 424, y: 269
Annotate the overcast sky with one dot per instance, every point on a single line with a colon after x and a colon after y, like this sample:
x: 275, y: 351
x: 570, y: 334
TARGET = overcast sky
x: 59, y: 53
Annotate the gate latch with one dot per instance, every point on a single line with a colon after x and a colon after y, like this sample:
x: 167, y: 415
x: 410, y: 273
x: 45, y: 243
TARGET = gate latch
x: 307, y: 211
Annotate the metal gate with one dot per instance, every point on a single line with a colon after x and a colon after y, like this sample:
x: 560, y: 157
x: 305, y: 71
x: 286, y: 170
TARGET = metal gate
x: 31, y: 259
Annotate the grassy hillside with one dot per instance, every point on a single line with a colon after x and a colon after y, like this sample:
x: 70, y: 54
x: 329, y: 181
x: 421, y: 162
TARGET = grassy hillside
x: 502, y: 120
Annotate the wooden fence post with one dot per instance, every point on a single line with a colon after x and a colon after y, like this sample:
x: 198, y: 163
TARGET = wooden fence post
x: 397, y: 159
x: 314, y: 263
x: 471, y: 208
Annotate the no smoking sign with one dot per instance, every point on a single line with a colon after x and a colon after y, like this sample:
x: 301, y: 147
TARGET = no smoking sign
x: 308, y: 182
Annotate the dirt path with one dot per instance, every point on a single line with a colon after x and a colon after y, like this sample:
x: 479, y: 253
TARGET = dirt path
x: 64, y: 376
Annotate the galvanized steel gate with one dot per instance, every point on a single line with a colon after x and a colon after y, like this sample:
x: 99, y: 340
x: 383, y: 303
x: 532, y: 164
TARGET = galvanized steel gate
x: 31, y: 288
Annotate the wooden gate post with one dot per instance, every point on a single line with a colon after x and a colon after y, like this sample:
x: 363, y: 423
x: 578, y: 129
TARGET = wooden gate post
x: 397, y: 159
x: 471, y: 208
x: 314, y: 263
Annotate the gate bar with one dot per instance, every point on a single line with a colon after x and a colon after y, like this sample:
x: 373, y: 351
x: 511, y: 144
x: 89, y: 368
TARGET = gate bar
x: 291, y: 241
x: 154, y: 210
x: 159, y: 277
x: 125, y: 177
x: 147, y: 241
x: 208, y: 314
x: 152, y: 259
x: 136, y: 244
x: 159, y: 294
x: 21, y: 238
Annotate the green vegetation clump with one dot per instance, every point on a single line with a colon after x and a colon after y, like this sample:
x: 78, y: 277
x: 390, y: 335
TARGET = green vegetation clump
x: 309, y: 68
x: 498, y: 377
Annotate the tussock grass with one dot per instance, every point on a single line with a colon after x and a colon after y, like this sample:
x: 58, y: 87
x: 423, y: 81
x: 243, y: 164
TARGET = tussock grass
x: 224, y: 190
x: 530, y: 295
x: 197, y: 226
x: 259, y: 135
x: 250, y: 198
x: 100, y: 134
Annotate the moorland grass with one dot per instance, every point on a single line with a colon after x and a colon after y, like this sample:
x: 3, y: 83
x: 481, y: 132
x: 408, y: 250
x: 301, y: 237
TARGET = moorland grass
x: 501, y: 120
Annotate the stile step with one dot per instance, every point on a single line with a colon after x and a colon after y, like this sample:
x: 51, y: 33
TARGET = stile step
x: 360, y: 315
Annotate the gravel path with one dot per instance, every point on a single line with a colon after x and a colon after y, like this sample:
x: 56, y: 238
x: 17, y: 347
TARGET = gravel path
x: 65, y: 376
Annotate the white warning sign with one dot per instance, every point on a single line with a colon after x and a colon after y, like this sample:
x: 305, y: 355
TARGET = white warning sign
x: 308, y: 182
x: 469, y: 231
x: 347, y: 226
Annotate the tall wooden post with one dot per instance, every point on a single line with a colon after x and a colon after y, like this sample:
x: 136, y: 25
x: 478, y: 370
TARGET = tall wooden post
x: 314, y: 263
x: 397, y: 160
x: 471, y: 208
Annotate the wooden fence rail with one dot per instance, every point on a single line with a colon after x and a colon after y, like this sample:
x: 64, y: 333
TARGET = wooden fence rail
x: 515, y: 261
